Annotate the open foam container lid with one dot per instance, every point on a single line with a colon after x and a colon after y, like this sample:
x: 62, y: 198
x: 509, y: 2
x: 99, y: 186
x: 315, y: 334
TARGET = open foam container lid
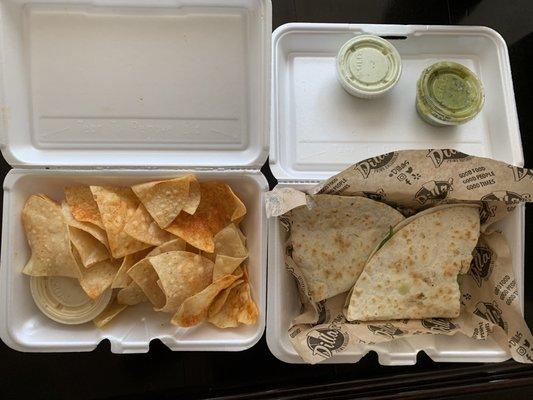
x: 318, y: 130
x: 135, y: 83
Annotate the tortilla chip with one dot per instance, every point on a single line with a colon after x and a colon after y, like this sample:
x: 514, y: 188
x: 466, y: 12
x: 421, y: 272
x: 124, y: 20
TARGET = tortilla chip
x: 238, y: 308
x: 142, y: 227
x: 164, y: 200
x: 230, y: 251
x: 221, y: 298
x: 81, y: 202
x: 194, y: 310
x: 217, y: 209
x: 122, y: 279
x: 182, y: 275
x: 230, y: 243
x: 131, y: 295
x: 240, y: 208
x: 110, y: 312
x: 245, y: 274
x: 176, y: 244
x: 98, y: 233
x: 191, y: 249
x: 144, y: 275
x: 225, y: 265
x: 89, y: 248
x: 194, y: 196
x: 48, y: 238
x: 414, y: 274
x: 241, y: 235
x: 117, y: 205
x: 97, y: 278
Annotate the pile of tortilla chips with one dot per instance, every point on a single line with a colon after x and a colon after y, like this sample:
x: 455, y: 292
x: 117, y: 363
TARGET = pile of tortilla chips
x: 175, y: 243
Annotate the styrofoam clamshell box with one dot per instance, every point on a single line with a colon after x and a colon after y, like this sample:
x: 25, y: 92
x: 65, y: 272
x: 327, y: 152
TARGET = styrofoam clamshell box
x: 317, y: 130
x: 121, y: 92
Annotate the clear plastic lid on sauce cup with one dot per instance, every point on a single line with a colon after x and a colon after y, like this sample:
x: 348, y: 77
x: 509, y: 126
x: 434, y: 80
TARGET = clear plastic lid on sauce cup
x: 63, y: 300
x: 368, y: 66
x: 448, y: 94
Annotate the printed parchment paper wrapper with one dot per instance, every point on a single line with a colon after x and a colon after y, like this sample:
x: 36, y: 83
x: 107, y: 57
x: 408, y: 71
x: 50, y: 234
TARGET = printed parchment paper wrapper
x: 414, y: 180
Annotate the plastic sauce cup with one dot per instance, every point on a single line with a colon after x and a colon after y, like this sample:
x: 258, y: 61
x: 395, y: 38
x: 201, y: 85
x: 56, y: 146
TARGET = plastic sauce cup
x: 368, y: 66
x: 63, y: 300
x: 448, y: 93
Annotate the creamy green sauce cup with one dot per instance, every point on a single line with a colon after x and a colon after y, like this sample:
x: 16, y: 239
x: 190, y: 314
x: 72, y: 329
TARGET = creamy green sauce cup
x: 448, y: 94
x: 368, y: 66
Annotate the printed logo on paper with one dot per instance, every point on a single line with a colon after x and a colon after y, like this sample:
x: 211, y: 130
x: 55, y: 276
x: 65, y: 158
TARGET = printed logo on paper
x: 520, y: 173
x: 386, y: 330
x: 324, y: 342
x: 322, y: 312
x: 481, y: 264
x: 438, y: 156
x: 441, y: 325
x: 511, y: 199
x: 375, y: 164
x: 434, y: 191
x: 378, y: 195
x: 486, y: 211
x: 491, y: 312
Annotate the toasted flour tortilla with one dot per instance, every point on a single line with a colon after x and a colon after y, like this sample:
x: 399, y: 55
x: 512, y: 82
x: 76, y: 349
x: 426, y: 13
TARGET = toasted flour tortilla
x: 413, y: 275
x: 332, y: 240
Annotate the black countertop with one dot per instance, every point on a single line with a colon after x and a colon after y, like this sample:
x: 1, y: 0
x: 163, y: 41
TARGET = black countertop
x: 255, y: 373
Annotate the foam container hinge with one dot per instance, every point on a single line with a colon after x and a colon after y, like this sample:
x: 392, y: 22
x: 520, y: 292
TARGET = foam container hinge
x: 317, y: 130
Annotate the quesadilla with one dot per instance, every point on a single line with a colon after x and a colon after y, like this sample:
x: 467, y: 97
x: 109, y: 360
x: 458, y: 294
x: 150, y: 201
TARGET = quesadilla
x: 332, y: 240
x: 413, y: 274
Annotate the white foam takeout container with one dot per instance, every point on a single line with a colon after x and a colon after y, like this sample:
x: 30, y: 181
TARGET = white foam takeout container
x: 126, y: 91
x: 318, y: 129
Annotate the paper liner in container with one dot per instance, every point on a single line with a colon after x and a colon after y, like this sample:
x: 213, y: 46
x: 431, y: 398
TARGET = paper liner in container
x: 414, y: 180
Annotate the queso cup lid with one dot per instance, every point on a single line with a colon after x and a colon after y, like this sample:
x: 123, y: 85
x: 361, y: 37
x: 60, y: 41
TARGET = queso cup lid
x: 368, y: 66
x: 63, y: 300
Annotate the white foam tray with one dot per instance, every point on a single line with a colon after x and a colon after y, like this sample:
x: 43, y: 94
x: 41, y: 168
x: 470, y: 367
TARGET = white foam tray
x: 318, y: 129
x: 24, y: 327
x: 121, y: 92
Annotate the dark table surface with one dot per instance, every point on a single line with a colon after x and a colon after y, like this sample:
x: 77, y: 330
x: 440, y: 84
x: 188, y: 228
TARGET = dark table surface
x: 255, y: 373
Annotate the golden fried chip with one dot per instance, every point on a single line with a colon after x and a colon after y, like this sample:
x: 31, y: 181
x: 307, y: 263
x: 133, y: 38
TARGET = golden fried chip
x: 221, y: 298
x: 142, y: 227
x: 110, y: 312
x: 230, y: 251
x: 176, y: 244
x: 194, y: 310
x: 230, y: 243
x: 240, y: 209
x: 89, y: 248
x: 131, y: 295
x: 117, y: 205
x: 164, y: 200
x: 82, y: 205
x: 218, y: 207
x: 225, y: 265
x: 98, y: 233
x: 191, y: 249
x: 238, y: 308
x: 194, y: 195
x: 241, y: 235
x: 98, y: 277
x: 122, y: 279
x: 182, y: 275
x: 48, y: 237
x: 144, y: 275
